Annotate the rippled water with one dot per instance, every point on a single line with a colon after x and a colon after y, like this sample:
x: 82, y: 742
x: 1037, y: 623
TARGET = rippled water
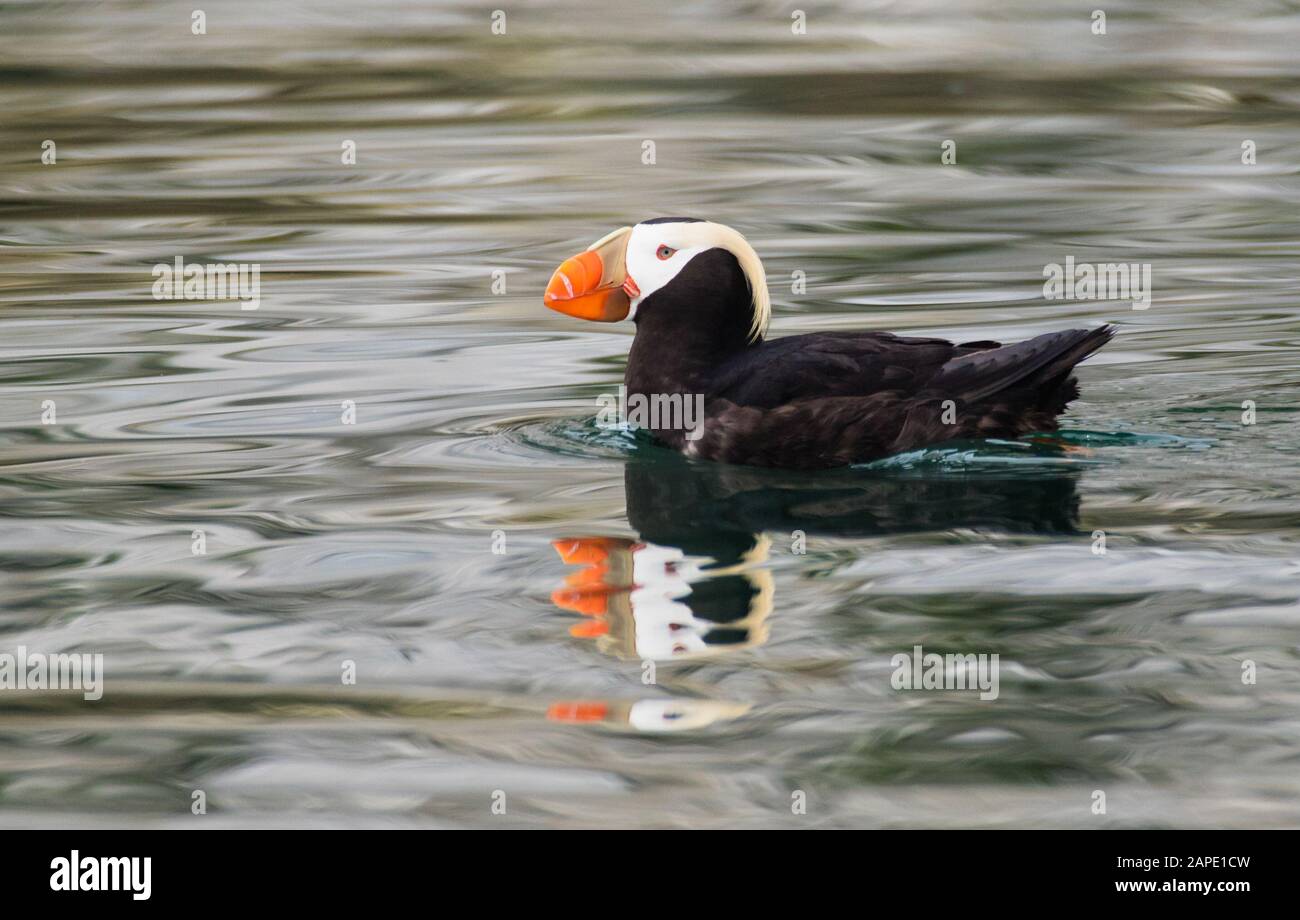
x: 525, y: 671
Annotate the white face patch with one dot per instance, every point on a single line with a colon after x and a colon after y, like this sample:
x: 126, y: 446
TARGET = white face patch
x: 645, y: 268
x: 656, y: 254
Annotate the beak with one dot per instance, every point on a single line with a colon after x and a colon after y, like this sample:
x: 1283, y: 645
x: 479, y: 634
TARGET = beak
x: 590, y: 285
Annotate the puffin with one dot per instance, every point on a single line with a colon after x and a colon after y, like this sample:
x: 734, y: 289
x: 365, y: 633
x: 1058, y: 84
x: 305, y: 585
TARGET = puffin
x: 697, y: 293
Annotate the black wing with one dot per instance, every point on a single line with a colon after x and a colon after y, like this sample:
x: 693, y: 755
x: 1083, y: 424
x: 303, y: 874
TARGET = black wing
x: 822, y: 364
x: 1025, y: 365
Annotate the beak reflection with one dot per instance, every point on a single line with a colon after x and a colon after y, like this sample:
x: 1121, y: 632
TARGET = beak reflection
x: 657, y: 716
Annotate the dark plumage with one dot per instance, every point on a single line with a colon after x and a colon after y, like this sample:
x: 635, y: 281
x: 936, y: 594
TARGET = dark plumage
x: 825, y: 399
x: 829, y: 399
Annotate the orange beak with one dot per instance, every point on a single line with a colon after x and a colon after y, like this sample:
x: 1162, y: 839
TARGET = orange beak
x: 590, y: 285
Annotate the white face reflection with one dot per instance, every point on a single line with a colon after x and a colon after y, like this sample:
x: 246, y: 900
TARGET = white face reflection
x: 665, y: 627
x: 679, y: 715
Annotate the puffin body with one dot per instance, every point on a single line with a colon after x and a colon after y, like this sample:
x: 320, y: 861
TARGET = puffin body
x: 698, y: 295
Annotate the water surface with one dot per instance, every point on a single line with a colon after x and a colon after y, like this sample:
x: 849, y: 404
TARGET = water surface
x: 487, y: 158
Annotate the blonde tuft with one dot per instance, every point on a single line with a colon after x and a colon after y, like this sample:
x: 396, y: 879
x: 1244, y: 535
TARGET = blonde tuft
x: 706, y: 233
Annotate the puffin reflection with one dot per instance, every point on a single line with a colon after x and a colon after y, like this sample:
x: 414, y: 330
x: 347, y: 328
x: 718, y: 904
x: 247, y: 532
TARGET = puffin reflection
x: 657, y: 716
x: 696, y: 583
x: 707, y: 508
x: 653, y: 602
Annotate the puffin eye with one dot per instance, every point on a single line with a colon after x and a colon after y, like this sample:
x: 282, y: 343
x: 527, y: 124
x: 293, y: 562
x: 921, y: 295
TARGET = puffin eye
x: 665, y: 252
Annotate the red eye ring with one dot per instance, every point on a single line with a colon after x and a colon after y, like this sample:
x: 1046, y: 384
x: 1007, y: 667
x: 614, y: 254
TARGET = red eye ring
x: 665, y: 252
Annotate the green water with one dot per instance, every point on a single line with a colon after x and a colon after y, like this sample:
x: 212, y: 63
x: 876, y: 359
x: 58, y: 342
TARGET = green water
x: 372, y: 543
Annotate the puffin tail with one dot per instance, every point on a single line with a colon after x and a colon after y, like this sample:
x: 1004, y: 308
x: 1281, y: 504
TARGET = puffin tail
x: 1045, y: 361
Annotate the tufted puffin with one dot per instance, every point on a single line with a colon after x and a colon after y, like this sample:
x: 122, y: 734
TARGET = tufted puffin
x: 695, y: 583
x: 698, y: 295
